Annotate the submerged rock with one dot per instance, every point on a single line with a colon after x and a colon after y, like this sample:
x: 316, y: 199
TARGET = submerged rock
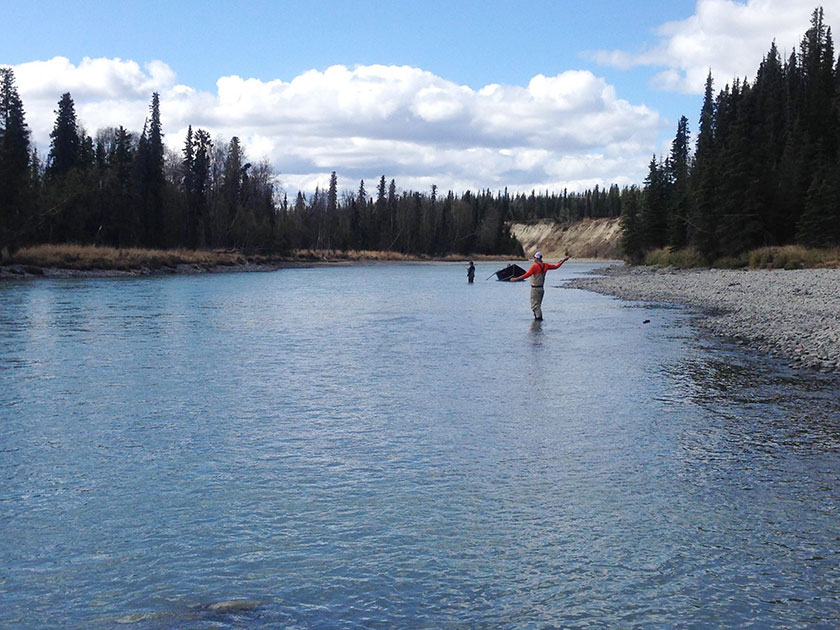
x: 135, y: 618
x: 234, y: 605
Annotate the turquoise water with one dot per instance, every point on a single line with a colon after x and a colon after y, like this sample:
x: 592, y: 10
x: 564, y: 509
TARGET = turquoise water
x: 388, y: 447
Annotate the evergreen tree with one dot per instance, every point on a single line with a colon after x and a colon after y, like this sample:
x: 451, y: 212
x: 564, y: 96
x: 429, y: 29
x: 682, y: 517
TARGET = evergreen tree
x: 739, y: 226
x: 201, y: 183
x: 818, y: 85
x: 231, y: 193
x: 654, y: 210
x: 632, y: 235
x: 65, y: 190
x: 361, y: 196
x: 771, y: 114
x: 125, y: 224
x: 15, y: 191
x: 703, y: 226
x: 332, y: 195
x: 819, y: 225
x: 65, y: 145
x: 188, y: 188
x: 679, y: 196
x: 152, y: 180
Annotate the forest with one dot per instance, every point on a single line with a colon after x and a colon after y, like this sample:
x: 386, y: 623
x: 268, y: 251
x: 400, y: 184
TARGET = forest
x: 763, y: 171
x: 124, y: 189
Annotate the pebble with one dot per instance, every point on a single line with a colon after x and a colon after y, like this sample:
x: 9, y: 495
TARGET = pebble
x: 793, y: 314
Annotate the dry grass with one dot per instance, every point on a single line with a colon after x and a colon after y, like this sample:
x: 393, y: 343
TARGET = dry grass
x: 787, y: 257
x: 86, y: 257
x: 89, y: 258
x: 794, y: 257
x: 362, y: 255
x: 332, y: 255
x: 681, y: 259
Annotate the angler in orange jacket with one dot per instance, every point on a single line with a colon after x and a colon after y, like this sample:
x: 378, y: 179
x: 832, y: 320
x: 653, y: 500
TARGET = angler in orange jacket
x: 537, y: 274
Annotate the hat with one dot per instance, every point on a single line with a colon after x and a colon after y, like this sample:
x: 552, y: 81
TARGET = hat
x: 538, y: 255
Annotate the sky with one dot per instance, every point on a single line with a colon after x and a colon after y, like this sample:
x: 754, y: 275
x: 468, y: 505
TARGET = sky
x: 462, y: 94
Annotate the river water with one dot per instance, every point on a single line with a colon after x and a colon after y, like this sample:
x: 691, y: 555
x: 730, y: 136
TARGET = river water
x: 387, y: 446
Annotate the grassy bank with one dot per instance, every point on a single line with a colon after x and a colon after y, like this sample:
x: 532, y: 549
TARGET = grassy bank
x: 787, y: 257
x: 84, y: 258
x: 90, y: 258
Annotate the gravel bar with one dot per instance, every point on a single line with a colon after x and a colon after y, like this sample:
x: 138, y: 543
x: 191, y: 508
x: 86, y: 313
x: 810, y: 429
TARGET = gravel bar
x: 791, y: 314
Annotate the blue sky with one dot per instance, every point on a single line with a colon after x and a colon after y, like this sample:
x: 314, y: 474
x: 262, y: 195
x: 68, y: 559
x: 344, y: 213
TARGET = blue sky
x: 459, y: 93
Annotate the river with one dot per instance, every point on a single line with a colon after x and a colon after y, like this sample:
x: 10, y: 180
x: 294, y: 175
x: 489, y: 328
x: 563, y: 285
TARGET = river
x: 386, y: 446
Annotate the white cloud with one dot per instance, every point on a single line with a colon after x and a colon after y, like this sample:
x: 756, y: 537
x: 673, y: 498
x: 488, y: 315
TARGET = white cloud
x: 729, y: 38
x: 106, y: 92
x: 557, y: 132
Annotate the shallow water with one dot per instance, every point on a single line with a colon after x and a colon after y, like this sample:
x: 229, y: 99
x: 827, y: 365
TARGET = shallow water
x: 388, y: 447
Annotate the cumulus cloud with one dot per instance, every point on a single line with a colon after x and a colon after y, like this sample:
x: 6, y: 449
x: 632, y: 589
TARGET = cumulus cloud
x: 729, y: 38
x: 106, y: 92
x: 565, y: 131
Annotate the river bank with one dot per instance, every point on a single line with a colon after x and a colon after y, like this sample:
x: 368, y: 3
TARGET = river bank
x: 77, y: 261
x: 791, y: 314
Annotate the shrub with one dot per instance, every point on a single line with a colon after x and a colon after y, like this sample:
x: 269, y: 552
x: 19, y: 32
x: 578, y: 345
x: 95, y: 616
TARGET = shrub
x: 680, y: 258
x: 732, y: 262
x: 793, y: 257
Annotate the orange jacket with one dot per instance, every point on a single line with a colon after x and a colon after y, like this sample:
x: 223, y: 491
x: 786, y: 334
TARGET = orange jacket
x: 539, y: 267
x: 536, y: 269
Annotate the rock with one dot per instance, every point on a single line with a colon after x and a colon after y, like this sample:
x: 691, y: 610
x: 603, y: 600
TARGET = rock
x: 795, y: 314
x: 234, y: 605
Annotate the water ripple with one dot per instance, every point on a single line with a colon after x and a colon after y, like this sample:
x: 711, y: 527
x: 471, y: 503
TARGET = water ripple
x: 387, y: 447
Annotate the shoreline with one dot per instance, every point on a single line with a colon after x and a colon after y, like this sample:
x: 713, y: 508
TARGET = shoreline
x: 32, y: 271
x: 69, y: 260
x: 793, y: 315
x: 20, y: 271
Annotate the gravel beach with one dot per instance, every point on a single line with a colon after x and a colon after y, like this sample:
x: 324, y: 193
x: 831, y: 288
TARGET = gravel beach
x: 791, y: 314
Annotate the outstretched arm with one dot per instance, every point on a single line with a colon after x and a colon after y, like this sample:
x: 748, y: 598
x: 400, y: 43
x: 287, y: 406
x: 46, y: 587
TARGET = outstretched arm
x: 530, y: 272
x: 557, y: 266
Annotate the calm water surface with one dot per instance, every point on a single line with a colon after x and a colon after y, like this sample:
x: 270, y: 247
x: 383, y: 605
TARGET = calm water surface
x: 389, y: 447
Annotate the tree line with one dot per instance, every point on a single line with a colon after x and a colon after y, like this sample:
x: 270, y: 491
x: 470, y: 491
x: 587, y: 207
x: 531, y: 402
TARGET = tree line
x: 125, y: 189
x: 765, y: 167
x: 764, y: 171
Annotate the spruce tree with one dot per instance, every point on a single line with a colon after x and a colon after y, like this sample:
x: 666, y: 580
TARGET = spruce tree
x: 188, y: 189
x: 65, y: 189
x: 201, y: 182
x: 15, y: 191
x: 702, y: 227
x: 679, y: 194
x: 818, y: 88
x: 632, y: 237
x: 768, y: 143
x: 125, y: 227
x: 231, y: 192
x: 819, y: 225
x: 739, y: 226
x: 153, y: 181
x: 332, y: 195
x: 654, y: 210
x: 65, y: 145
